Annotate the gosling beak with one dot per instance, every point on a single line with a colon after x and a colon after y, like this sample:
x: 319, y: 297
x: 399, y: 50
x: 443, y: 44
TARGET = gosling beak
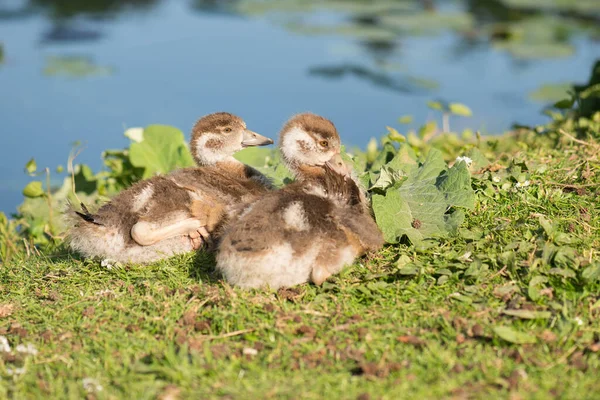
x: 337, y: 164
x: 254, y: 139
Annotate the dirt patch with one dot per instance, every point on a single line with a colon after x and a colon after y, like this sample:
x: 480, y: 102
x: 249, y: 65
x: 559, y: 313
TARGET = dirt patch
x: 89, y: 312
x: 306, y: 331
x: 189, y: 318
x: 412, y: 340
x: 377, y: 370
x: 202, y: 326
x: 290, y: 294
x: 6, y: 310
x: 17, y: 329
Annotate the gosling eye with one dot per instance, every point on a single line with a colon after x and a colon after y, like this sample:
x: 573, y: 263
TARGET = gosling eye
x: 227, y: 130
x: 324, y: 143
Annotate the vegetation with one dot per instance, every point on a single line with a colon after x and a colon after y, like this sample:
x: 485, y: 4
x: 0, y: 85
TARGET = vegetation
x: 501, y: 299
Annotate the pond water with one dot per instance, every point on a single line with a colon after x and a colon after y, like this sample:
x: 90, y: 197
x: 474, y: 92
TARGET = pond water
x: 85, y: 71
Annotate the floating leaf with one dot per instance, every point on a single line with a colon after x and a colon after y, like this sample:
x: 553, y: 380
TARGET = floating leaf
x: 162, y: 150
x: 551, y: 92
x: 513, y: 336
x: 528, y: 314
x: 33, y: 189
x: 74, y: 67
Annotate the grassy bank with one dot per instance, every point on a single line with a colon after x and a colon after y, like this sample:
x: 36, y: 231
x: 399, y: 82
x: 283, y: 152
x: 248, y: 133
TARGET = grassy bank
x: 508, y: 307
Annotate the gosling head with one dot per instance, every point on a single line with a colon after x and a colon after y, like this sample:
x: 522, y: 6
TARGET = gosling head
x: 309, y: 143
x: 217, y: 137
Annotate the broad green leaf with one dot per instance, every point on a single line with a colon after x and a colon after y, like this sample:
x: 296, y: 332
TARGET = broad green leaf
x: 535, y: 286
x: 386, y: 155
x: 460, y: 109
x: 566, y: 258
x: 31, y: 166
x: 456, y: 186
x: 408, y: 270
x: 85, y: 181
x: 528, y: 314
x: 564, y: 104
x: 513, y: 336
x: 33, y: 189
x: 418, y: 207
x: 592, y: 272
x: 404, y: 160
x: 387, y: 177
x: 255, y: 156
x: 479, y: 160
x: 162, y: 150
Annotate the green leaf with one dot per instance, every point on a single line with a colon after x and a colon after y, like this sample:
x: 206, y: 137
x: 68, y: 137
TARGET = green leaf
x: 592, y: 272
x: 528, y: 314
x: 387, y: 177
x: 565, y: 258
x: 372, y: 150
x: 552, y: 92
x: 535, y: 286
x: 31, y: 166
x: 394, y: 135
x: 428, y: 129
x: 456, y: 186
x: 460, y: 109
x: 33, y: 189
x: 593, y: 90
x: 513, y: 336
x: 408, y: 270
x: 135, y: 134
x: 564, y: 104
x: 162, y: 150
x: 419, y: 207
x: 436, y: 105
x: 254, y: 156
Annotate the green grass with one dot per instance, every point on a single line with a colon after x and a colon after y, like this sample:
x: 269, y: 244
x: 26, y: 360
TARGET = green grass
x: 403, y: 323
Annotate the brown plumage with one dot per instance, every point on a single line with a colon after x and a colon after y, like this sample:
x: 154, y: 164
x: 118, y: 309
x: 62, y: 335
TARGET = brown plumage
x: 308, y: 230
x: 176, y: 213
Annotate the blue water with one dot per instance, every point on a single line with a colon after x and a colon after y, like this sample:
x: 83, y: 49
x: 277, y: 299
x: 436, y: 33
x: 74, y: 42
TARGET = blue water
x: 171, y: 65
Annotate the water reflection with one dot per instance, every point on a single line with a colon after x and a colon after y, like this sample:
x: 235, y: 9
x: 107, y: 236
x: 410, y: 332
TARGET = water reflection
x: 362, y: 63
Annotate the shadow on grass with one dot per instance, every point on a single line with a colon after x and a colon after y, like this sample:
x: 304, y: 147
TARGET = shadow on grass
x: 203, y: 267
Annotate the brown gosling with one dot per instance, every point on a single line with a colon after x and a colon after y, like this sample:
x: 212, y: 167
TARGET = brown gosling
x: 308, y: 230
x: 176, y: 213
